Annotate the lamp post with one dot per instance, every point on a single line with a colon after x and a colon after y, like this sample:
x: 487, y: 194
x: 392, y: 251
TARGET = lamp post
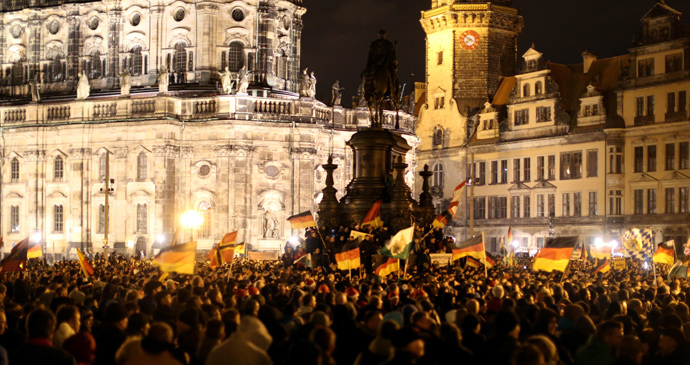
x: 192, y: 220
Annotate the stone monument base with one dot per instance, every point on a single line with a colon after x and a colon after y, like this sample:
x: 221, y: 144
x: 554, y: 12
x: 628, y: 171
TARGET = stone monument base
x: 269, y: 244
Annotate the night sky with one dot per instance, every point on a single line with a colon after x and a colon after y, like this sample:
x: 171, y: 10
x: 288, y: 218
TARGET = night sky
x: 337, y: 34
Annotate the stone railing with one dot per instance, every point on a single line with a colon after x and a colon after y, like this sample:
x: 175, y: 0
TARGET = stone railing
x: 107, y: 110
x: 14, y: 116
x: 62, y: 112
x: 205, y: 107
x: 140, y: 107
x: 269, y: 106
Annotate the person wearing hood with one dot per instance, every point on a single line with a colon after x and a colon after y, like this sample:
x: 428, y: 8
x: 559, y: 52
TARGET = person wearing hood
x: 247, y: 346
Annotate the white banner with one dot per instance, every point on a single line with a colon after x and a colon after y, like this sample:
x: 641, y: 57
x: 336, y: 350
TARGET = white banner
x: 443, y: 259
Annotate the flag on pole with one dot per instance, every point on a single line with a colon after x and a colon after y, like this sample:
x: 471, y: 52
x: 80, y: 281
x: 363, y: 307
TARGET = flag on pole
x: 510, y: 237
x: 306, y: 260
x: 34, y: 251
x: 471, y: 261
x: 600, y: 252
x: 399, y: 246
x: 359, y: 236
x: 175, y: 236
x: 665, y: 253
x: 348, y: 259
x: 442, y: 219
x: 86, y: 267
x: 240, y: 248
x: 474, y: 247
x: 603, y: 266
x: 556, y: 254
x: 457, y: 198
x: 373, y: 218
x: 490, y: 260
x: 302, y: 220
x: 678, y: 270
x: 178, y: 258
x: 502, y: 250
x: 638, y: 244
x: 388, y: 267
x: 16, y: 260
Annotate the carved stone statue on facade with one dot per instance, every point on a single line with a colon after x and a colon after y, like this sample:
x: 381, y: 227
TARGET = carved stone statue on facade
x: 380, y: 77
x: 270, y: 225
x: 35, y: 90
x: 312, y: 85
x: 243, y: 82
x: 83, y: 86
x: 163, y: 80
x: 361, y: 102
x: 226, y: 81
x: 337, y: 93
x: 304, y: 83
x: 125, y: 83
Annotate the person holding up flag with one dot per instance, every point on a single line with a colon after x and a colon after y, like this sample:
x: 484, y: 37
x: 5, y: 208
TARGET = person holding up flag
x: 16, y: 260
x: 665, y: 253
x: 556, y: 254
x: 86, y: 268
x: 373, y: 217
x: 178, y: 258
x: 457, y: 198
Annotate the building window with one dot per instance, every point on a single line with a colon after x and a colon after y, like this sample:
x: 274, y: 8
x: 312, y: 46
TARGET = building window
x: 639, y: 201
x: 651, y: 158
x: 58, y: 219
x: 58, y: 169
x: 683, y: 200
x: 682, y: 101
x: 616, y: 160
x: 515, y: 207
x: 504, y: 171
x: 645, y: 67
x: 516, y: 170
x: 651, y: 201
x: 670, y: 200
x: 235, y: 56
x: 566, y: 204
x: 571, y: 165
x: 671, y: 103
x: 439, y: 58
x: 14, y: 170
x: 592, y: 163
x: 494, y: 172
x: 438, y: 175
x: 615, y: 202
x: 552, y: 167
x: 543, y: 114
x: 438, y: 137
x: 670, y: 156
x: 593, y: 203
x: 94, y: 65
x: 684, y: 155
x: 540, y: 168
x: 142, y: 166
x: 101, y: 218
x: 14, y: 219
x: 137, y: 61
x: 639, y: 158
x: 538, y: 89
x: 552, y: 205
x: 180, y: 57
x: 577, y: 204
x: 498, y: 207
x: 540, y: 206
x: 480, y: 207
x: 142, y: 218
x: 205, y: 212
x: 102, y: 166
x: 650, y: 105
x: 522, y: 117
x: 526, y: 206
x: 526, y: 169
x: 525, y: 90
x: 639, y: 107
x: 674, y: 62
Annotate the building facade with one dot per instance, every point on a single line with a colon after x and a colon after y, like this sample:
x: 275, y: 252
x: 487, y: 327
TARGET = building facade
x: 591, y: 149
x: 244, y: 161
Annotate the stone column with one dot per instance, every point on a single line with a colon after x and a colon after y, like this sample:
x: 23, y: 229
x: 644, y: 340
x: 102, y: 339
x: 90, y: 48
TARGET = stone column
x: 34, y: 52
x: 35, y: 180
x: 114, y: 33
x: 80, y: 183
x: 241, y: 192
x: 206, y: 40
x: 155, y: 59
x: 224, y: 190
x: 73, y: 46
x: 165, y: 179
x: 121, y: 205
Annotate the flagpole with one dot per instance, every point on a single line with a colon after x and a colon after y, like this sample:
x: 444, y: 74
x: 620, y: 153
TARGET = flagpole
x: 486, y: 269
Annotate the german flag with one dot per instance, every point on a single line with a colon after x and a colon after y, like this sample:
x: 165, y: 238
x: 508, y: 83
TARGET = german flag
x: 348, y: 258
x: 302, y: 220
x: 240, y: 248
x: 442, y: 219
x: 510, y: 238
x: 603, y: 266
x: 34, y: 251
x: 373, y: 218
x: 474, y: 247
x: 665, y: 254
x: 221, y: 254
x: 471, y: 261
x: 556, y: 254
x: 388, y: 267
x: 86, y: 268
x: 457, y: 198
x: 490, y: 260
x: 600, y: 252
x: 179, y: 259
x: 16, y: 260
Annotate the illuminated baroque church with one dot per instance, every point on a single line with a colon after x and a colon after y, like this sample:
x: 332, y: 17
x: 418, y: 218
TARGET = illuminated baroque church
x: 245, y: 159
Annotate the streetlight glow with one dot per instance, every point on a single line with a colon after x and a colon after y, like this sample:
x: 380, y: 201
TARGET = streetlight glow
x: 191, y: 219
x: 36, y: 237
x: 130, y: 244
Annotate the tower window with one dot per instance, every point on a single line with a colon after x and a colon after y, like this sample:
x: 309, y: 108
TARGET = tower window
x: 538, y: 88
x: 526, y: 90
x: 236, y: 56
x: 58, y: 168
x: 137, y: 60
x: 180, y: 57
x: 439, y: 58
x: 438, y: 175
x: 438, y: 137
x: 58, y: 219
x: 142, y: 165
x: 142, y: 218
x: 14, y: 173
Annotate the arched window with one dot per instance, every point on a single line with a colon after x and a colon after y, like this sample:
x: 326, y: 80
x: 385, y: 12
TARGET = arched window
x: 142, y: 218
x: 14, y: 173
x: 142, y: 165
x: 58, y: 169
x: 525, y: 90
x: 95, y: 65
x: 137, y: 61
x: 438, y: 175
x: 438, y: 137
x: 58, y: 219
x: 205, y: 212
x: 538, y: 88
x: 236, y: 56
x: 55, y: 73
x: 101, y: 166
x: 180, y: 57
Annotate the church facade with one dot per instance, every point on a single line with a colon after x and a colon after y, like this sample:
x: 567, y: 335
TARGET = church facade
x: 244, y: 160
x: 591, y: 149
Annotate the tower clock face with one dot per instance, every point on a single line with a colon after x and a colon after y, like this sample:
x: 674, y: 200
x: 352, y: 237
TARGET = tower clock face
x: 469, y: 40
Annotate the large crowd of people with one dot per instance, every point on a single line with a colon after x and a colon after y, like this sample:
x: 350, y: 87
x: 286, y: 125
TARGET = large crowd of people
x: 285, y: 312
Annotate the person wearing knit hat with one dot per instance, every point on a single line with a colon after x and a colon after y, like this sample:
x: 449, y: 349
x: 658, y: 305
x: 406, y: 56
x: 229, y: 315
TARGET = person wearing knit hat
x: 352, y: 293
x: 241, y: 293
x: 252, y: 290
x: 323, y: 289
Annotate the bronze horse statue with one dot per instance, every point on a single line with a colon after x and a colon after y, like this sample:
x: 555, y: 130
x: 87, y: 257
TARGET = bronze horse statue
x: 380, y: 78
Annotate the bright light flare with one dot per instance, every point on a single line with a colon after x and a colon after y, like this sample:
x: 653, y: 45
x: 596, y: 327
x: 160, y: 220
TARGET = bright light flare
x: 191, y: 219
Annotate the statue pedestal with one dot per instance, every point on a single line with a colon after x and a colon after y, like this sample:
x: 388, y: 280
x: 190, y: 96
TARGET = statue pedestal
x: 269, y: 244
